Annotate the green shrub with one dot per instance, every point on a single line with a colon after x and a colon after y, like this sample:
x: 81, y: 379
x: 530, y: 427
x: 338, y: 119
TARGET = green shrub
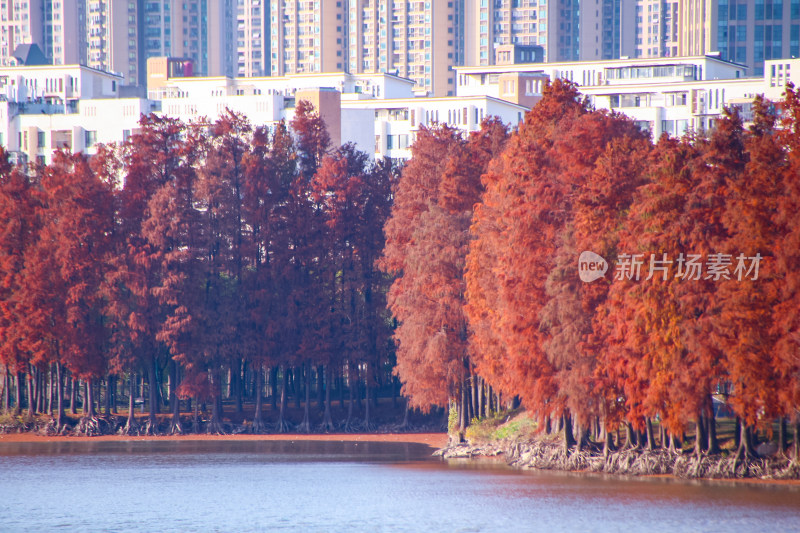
x: 452, y: 419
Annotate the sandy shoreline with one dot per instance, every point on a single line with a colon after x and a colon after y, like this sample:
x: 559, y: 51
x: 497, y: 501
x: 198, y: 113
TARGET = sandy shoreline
x: 435, y: 440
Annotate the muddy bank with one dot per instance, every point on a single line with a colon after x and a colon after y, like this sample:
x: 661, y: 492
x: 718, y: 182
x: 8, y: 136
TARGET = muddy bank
x: 636, y: 462
x: 435, y: 440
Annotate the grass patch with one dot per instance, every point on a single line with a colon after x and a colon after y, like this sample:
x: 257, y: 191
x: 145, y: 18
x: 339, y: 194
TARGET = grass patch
x: 8, y: 420
x: 503, y: 425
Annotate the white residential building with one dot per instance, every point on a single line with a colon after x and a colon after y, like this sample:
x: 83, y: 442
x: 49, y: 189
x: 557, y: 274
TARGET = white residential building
x: 43, y: 108
x: 377, y: 112
x: 664, y: 95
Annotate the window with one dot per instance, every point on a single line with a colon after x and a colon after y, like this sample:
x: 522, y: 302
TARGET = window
x: 90, y: 136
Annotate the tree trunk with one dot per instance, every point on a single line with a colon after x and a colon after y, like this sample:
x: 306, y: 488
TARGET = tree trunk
x: 258, y: 418
x: 651, y: 443
x: 711, y: 423
x: 131, y: 427
x: 305, y: 425
x: 196, y: 417
x: 701, y: 436
x: 151, y: 428
x: 49, y: 386
x: 327, y: 419
x: 367, y: 392
x: 745, y: 450
x: 404, y: 424
x: 73, y: 395
x: 796, y: 443
x: 215, y: 424
x: 463, y: 408
x: 737, y: 433
x: 114, y: 396
x: 608, y: 443
x: 88, y: 409
x: 480, y: 396
x: 59, y: 398
x: 351, y: 387
x: 473, y: 386
x: 107, y: 397
x: 321, y: 387
x: 340, y: 386
x: 6, y: 391
x: 273, y: 383
x: 175, y: 425
x: 282, y: 425
x: 782, y: 440
x: 630, y: 436
x: 569, y: 437
x: 583, y: 436
x: 20, y: 390
x: 37, y: 389
x: 44, y: 390
x: 672, y: 441
x: 31, y: 396
x: 238, y: 390
x: 297, y: 384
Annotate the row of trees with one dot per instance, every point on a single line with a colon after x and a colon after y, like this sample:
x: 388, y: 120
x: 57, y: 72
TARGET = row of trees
x: 210, y: 253
x: 485, y: 235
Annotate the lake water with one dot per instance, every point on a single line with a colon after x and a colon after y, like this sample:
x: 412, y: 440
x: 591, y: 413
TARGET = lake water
x: 337, y: 486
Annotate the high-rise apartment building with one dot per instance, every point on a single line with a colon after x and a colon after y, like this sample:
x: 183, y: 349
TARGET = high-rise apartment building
x: 419, y: 40
x: 113, y: 38
x: 657, y: 26
x: 567, y: 30
x: 200, y: 30
x: 744, y: 31
x: 551, y: 24
x: 20, y: 23
x: 306, y: 36
x: 252, y: 38
x: 119, y: 35
x: 64, y: 35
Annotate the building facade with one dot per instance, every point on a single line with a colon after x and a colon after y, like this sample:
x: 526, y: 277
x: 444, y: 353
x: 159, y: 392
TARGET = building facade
x: 252, y: 38
x: 663, y: 95
x: 119, y: 36
x: 20, y: 23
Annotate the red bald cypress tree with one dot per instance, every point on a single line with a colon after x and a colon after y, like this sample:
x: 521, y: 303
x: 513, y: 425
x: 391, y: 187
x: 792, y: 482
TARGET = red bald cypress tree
x: 18, y: 232
x: 151, y: 159
x: 786, y: 320
x: 63, y: 274
x: 428, y: 238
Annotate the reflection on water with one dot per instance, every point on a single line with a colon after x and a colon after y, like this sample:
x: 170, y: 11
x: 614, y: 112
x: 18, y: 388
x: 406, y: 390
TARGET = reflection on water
x: 348, y: 486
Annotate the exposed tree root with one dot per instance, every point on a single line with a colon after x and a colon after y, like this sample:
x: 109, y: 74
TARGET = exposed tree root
x: 259, y: 426
x: 327, y: 424
x: 631, y: 461
x: 350, y: 425
x: 304, y: 426
x: 90, y: 426
x: 150, y: 428
x: 283, y: 426
x: 175, y: 427
x: 215, y: 427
